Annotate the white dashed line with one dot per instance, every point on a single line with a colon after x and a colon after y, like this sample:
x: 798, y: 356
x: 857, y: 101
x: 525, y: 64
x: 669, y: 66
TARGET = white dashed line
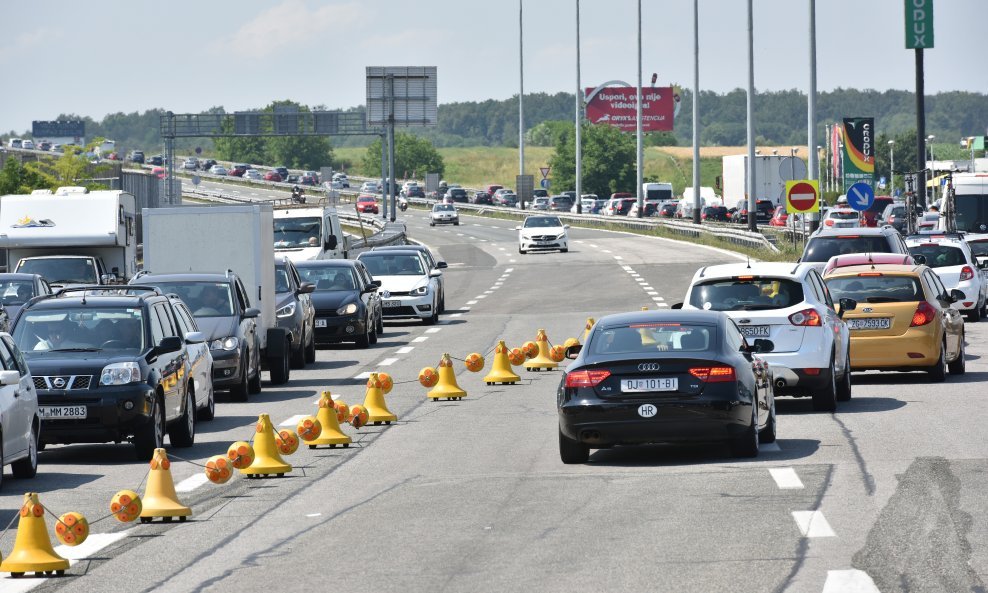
x: 491, y: 291
x: 191, y: 483
x: 420, y: 339
x: 627, y: 268
x: 404, y: 349
x: 618, y: 257
x: 387, y: 362
x: 433, y: 330
x: 606, y: 250
x: 291, y: 421
x: 652, y: 293
x: 812, y: 524
x: 786, y: 478
x: 509, y: 270
x: 478, y: 224
x: 312, y: 515
x: 459, y: 234
x: 480, y: 296
x: 363, y: 375
x: 594, y: 246
x: 459, y: 314
x: 661, y: 305
x: 471, y: 302
x: 849, y: 581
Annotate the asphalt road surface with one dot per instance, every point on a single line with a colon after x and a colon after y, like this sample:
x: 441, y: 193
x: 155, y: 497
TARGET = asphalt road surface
x: 885, y: 495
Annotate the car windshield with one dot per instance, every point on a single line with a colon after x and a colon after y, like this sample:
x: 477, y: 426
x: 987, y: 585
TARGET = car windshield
x: 542, y: 222
x: 747, y: 295
x: 878, y: 205
x: 939, y: 256
x: 329, y: 277
x: 84, y: 329
x: 443, y: 208
x: 365, y: 199
x: 979, y: 248
x: 839, y: 215
x: 70, y: 270
x: 882, y: 288
x: 640, y: 338
x: 16, y: 292
x: 296, y: 232
x: 205, y: 299
x: 392, y: 265
x: 821, y: 249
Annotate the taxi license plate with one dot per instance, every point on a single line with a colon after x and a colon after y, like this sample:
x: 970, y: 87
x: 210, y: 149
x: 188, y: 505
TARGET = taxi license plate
x: 320, y: 323
x: 62, y: 412
x: 754, y: 331
x: 649, y: 384
x: 870, y: 323
x: 391, y: 303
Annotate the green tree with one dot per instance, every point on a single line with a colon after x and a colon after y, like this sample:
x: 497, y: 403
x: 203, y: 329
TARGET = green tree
x: 10, y: 177
x: 608, y: 160
x: 413, y: 156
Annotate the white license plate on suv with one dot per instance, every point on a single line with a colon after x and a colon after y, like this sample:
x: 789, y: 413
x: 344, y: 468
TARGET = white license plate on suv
x: 62, y: 412
x: 754, y: 331
x: 320, y: 323
x: 649, y: 384
x: 391, y: 303
x: 870, y: 323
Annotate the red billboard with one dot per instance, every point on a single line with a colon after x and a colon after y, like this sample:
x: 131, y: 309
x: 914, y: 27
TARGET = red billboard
x: 617, y: 106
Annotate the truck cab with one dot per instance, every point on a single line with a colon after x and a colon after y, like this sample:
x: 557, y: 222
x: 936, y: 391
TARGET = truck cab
x: 309, y: 233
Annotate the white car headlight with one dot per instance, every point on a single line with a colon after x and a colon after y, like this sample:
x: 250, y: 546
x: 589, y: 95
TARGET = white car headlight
x: 286, y: 311
x: 421, y: 290
x: 348, y: 309
x: 230, y: 343
x: 120, y: 373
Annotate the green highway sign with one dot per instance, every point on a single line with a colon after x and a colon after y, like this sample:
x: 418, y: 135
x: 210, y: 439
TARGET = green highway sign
x: 919, y: 24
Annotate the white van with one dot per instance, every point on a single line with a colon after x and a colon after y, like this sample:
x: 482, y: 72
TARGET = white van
x: 14, y: 143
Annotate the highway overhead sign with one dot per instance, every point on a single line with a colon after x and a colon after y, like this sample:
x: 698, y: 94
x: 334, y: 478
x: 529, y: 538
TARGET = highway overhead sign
x: 802, y: 196
x: 861, y: 196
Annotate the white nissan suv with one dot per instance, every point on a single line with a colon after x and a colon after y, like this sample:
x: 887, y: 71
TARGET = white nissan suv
x: 951, y: 258
x: 789, y: 305
x: 542, y: 233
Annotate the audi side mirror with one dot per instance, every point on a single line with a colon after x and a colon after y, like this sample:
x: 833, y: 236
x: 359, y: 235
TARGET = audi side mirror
x: 441, y: 265
x: 573, y: 351
x: 676, y: 306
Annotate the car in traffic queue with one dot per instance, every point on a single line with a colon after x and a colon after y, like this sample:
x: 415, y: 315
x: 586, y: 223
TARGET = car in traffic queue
x: 789, y: 305
x: 294, y: 311
x: 456, y: 194
x: 346, y: 301
x: 904, y: 320
x: 828, y: 242
x: 222, y: 310
x: 191, y: 163
x: 842, y: 218
x: 16, y: 289
x: 200, y: 360
x: 136, y: 156
x: 539, y: 204
x: 444, y: 214
x: 252, y: 174
x: 648, y: 208
x: 283, y: 172
x: 239, y: 170
x: 951, y: 258
x: 20, y: 418
x: 207, y: 164
x: 895, y: 215
x: 665, y: 377
x: 860, y: 259
x: 508, y: 199
x: 366, y: 204
x: 480, y: 197
x: 431, y: 262
x: 928, y: 222
x: 714, y: 213
x: 500, y: 191
x: 560, y: 203
x: 409, y: 288
x: 218, y: 170
x: 540, y: 233
x: 272, y: 176
x: 110, y: 368
x: 871, y: 216
x: 618, y: 206
x: 492, y: 189
x: 779, y: 217
x: 668, y: 210
x: 342, y: 179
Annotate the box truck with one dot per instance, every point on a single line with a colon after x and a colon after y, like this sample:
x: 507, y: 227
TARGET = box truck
x: 309, y: 233
x: 771, y: 174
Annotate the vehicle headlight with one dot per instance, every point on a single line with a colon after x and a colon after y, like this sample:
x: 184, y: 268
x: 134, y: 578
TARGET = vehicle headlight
x: 228, y: 344
x: 348, y: 309
x: 286, y: 311
x: 421, y: 290
x: 120, y: 373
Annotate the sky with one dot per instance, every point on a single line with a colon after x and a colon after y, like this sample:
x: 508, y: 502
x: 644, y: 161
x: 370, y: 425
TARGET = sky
x: 66, y: 56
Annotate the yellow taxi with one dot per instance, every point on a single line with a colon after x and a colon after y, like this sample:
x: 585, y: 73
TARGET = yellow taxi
x: 903, y: 320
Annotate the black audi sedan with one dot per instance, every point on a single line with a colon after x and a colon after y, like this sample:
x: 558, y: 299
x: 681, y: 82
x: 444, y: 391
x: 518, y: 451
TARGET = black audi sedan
x: 665, y: 377
x: 346, y: 301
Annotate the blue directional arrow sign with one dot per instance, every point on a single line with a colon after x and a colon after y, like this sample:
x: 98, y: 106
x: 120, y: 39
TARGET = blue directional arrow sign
x: 546, y: 184
x: 861, y: 196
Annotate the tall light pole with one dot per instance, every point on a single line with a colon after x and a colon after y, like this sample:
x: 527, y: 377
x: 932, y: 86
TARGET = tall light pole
x: 812, y: 155
x: 752, y: 225
x: 579, y: 119
x: 929, y: 143
x: 638, y: 122
x: 696, y: 111
x: 892, y: 167
x: 521, y: 95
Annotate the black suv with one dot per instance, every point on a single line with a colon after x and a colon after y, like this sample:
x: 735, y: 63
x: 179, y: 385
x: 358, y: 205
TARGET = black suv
x: 294, y: 312
x: 222, y: 310
x: 137, y: 157
x: 109, y: 367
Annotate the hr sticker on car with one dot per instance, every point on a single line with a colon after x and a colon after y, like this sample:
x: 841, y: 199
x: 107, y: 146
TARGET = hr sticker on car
x: 647, y: 410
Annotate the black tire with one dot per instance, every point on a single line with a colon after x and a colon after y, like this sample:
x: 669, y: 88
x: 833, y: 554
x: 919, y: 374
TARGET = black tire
x: 432, y: 319
x: 310, y: 350
x: 279, y: 368
x: 239, y: 391
x: 254, y: 383
x: 768, y: 434
x: 432, y: 224
x: 747, y: 444
x: 442, y: 303
x: 364, y: 340
x: 208, y: 412
x: 456, y: 224
x: 938, y: 372
x: 380, y: 325
x: 844, y: 387
x: 27, y: 467
x: 182, y: 432
x: 298, y: 354
x: 959, y: 366
x: 974, y: 314
x: 521, y: 251
x: 151, y: 435
x: 825, y: 398
x: 571, y: 451
x: 373, y: 332
x: 564, y: 250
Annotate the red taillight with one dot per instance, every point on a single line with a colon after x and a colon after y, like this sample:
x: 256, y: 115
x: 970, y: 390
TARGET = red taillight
x: 713, y: 374
x: 806, y: 317
x: 924, y: 314
x: 586, y: 378
x: 828, y: 222
x: 966, y: 273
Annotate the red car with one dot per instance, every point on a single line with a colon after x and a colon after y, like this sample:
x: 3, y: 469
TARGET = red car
x: 870, y: 216
x: 367, y: 204
x: 780, y: 217
x: 158, y: 172
x: 272, y: 176
x: 237, y: 171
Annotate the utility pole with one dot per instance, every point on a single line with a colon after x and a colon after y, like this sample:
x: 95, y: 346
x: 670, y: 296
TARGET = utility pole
x: 752, y: 225
x: 638, y: 122
x: 696, y: 111
x: 812, y: 156
x: 579, y: 119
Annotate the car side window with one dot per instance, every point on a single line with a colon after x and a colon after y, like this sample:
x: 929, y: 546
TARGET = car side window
x: 242, y: 297
x: 821, y: 288
x: 6, y: 358
x: 941, y: 289
x: 733, y: 338
x: 180, y: 318
x: 157, y: 331
x: 167, y: 325
x: 18, y: 358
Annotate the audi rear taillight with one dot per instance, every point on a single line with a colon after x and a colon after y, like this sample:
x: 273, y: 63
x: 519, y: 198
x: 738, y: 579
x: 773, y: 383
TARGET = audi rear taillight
x: 924, y: 314
x: 966, y: 273
x: 590, y: 378
x: 806, y: 317
x: 713, y: 374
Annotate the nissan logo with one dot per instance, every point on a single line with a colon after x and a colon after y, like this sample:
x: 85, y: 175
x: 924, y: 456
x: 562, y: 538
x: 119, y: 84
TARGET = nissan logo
x: 648, y: 366
x: 58, y: 382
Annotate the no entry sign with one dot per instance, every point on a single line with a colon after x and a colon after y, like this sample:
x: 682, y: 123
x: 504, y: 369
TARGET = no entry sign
x: 802, y: 195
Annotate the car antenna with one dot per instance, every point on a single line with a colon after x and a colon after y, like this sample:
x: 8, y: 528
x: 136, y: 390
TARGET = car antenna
x: 749, y: 261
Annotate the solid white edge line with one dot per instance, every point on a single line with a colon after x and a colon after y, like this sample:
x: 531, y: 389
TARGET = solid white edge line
x: 785, y: 478
x: 849, y: 581
x: 812, y: 524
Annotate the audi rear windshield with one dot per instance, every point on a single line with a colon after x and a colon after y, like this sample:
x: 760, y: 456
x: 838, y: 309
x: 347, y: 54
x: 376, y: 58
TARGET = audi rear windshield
x: 641, y: 338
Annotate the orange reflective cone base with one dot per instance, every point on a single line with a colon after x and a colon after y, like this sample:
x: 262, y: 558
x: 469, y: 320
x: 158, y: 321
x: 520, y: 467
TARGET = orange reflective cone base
x: 267, y: 460
x: 501, y: 367
x: 160, y: 498
x: 446, y: 386
x: 32, y: 547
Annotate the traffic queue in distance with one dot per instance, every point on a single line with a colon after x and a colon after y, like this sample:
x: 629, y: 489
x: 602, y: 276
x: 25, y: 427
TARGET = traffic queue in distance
x: 860, y: 298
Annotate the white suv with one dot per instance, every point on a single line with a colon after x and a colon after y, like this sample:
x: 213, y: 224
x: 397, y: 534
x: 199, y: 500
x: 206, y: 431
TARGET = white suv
x: 789, y: 305
x: 20, y: 420
x: 951, y: 258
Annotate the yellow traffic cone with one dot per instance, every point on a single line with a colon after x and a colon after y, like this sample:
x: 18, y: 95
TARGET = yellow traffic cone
x: 446, y: 387
x: 542, y: 361
x: 32, y: 548
x: 646, y: 336
x: 377, y: 409
x: 570, y: 342
x: 268, y: 460
x: 501, y: 368
x: 329, y: 419
x: 586, y: 330
x: 160, y: 498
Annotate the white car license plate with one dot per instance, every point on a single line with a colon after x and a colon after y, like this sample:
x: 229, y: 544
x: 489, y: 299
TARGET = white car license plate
x: 754, y: 331
x: 648, y: 384
x: 320, y: 323
x: 391, y: 303
x: 62, y: 412
x: 870, y: 323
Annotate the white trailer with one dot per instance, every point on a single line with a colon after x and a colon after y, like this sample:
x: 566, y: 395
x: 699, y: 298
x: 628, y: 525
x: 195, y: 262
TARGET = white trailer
x: 71, y: 237
x: 771, y: 174
x: 309, y: 233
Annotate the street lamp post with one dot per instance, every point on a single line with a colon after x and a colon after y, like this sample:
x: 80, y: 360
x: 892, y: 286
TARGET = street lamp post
x: 932, y: 167
x: 892, y: 167
x: 579, y: 119
x: 929, y: 144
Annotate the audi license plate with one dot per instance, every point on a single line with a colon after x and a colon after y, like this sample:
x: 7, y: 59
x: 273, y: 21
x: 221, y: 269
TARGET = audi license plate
x: 755, y: 331
x: 649, y: 384
x: 320, y: 323
x: 391, y: 303
x: 62, y: 412
x: 870, y: 323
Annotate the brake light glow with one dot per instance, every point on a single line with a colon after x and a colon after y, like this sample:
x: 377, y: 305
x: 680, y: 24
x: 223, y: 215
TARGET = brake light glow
x: 966, y: 273
x: 924, y: 314
x: 828, y: 222
x: 742, y: 278
x: 639, y: 325
x: 713, y: 374
x: 870, y: 274
x: 806, y: 317
x: 849, y: 237
x: 590, y: 378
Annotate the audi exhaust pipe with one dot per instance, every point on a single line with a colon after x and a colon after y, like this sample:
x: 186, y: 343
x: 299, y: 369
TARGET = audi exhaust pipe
x: 780, y: 383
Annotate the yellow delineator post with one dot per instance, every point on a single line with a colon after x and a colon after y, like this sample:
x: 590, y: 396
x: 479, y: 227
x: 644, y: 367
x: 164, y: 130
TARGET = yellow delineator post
x: 32, y: 547
x: 446, y: 387
x: 160, y: 498
x: 268, y: 460
x: 377, y: 409
x: 542, y: 361
x: 501, y: 368
x: 331, y: 434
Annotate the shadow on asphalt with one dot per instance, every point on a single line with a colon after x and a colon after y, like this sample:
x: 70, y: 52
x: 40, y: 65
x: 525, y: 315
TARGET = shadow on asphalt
x: 675, y: 455
x: 222, y: 423
x: 916, y: 378
x: 796, y: 406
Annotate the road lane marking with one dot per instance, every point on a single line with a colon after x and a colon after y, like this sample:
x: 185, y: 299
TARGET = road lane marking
x: 311, y: 515
x: 512, y: 261
x: 459, y: 314
x: 387, y: 362
x: 618, y: 257
x: 812, y: 524
x: 606, y: 250
x: 786, y: 478
x: 404, y: 349
x: 93, y: 544
x: 293, y: 421
x: 420, y: 339
x: 594, y: 246
x: 627, y: 268
x: 652, y: 293
x: 192, y: 482
x: 363, y: 375
x: 661, y: 305
x: 433, y: 330
x: 480, y: 296
x: 509, y: 270
x: 849, y: 581
x: 471, y: 302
